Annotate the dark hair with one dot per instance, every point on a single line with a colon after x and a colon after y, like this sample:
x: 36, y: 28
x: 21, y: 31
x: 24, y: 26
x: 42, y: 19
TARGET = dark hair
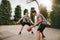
x: 34, y: 11
x: 25, y: 11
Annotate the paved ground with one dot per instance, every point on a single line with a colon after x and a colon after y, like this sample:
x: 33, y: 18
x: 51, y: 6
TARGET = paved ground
x: 11, y: 32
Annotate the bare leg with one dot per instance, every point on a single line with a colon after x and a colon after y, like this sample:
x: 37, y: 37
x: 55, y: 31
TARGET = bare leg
x: 38, y: 35
x: 43, y: 36
x: 21, y: 30
x: 32, y: 32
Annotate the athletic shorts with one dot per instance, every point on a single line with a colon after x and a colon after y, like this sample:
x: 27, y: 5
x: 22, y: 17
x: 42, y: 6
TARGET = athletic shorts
x: 26, y: 23
x: 41, y: 27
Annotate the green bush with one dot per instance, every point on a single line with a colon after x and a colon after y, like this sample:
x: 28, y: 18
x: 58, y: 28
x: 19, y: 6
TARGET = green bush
x: 55, y: 19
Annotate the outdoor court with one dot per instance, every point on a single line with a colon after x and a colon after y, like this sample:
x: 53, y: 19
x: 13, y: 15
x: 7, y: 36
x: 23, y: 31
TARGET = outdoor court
x: 11, y: 32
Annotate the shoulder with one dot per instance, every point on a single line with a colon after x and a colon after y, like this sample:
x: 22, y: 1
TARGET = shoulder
x: 39, y: 16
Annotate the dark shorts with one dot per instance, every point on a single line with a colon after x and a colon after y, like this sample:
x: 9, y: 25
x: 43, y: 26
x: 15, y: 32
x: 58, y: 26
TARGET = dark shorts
x: 26, y: 23
x: 41, y: 27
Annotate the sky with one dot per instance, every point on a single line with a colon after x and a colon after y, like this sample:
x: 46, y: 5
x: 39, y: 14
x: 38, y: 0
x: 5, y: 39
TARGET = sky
x: 24, y: 5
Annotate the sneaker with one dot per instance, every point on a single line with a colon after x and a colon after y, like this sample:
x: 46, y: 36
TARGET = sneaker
x: 32, y: 32
x: 20, y: 33
x: 43, y: 36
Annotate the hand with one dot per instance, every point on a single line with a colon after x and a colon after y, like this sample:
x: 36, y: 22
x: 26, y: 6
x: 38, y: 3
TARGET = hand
x: 31, y: 26
x: 16, y: 23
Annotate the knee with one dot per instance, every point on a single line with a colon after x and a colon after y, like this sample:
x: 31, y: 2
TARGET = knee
x: 38, y: 32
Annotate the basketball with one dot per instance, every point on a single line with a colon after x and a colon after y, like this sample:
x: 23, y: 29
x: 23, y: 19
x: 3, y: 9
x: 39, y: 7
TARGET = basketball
x: 29, y: 29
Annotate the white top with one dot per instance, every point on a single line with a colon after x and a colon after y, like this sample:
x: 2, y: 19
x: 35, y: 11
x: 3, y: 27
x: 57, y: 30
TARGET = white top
x: 25, y: 18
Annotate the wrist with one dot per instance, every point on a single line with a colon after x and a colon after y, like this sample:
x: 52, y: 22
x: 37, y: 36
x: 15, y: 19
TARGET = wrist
x: 32, y: 26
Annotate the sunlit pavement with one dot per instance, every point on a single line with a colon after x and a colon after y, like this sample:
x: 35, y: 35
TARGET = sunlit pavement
x: 11, y: 32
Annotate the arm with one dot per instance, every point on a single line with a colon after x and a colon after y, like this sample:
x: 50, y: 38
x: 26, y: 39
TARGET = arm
x: 31, y: 21
x: 38, y: 22
x: 19, y: 20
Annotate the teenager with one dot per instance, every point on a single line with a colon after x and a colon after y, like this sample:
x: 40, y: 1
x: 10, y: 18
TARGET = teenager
x: 41, y: 22
x: 26, y: 20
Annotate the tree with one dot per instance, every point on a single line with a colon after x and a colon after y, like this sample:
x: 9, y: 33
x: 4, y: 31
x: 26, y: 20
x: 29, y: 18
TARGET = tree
x: 56, y: 5
x: 5, y: 12
x: 55, y: 19
x: 32, y: 17
x: 55, y: 14
x: 17, y: 13
x: 43, y: 10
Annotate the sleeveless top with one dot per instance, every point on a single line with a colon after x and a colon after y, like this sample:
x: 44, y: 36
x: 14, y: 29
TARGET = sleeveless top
x: 43, y: 18
x: 26, y: 19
